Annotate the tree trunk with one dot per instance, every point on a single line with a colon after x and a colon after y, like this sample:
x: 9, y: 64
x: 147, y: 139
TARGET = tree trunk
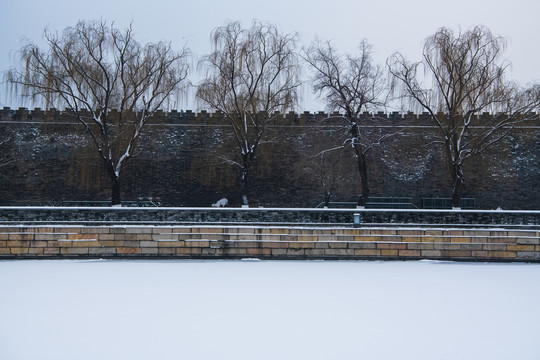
x: 243, y: 187
x: 458, y: 187
x: 362, y: 169
x: 115, y: 183
x: 327, y: 196
x: 456, y: 170
x: 115, y: 191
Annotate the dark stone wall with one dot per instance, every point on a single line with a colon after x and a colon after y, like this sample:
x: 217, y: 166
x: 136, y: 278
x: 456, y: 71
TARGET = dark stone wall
x: 47, y: 159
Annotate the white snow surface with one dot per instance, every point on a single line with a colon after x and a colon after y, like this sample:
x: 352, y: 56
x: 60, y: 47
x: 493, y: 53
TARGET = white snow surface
x: 136, y: 309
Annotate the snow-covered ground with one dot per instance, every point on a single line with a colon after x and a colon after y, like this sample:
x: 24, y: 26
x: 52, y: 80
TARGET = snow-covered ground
x: 115, y: 310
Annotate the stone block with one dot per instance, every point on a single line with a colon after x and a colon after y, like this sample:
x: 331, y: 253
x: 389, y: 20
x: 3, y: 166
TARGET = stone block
x: 476, y: 233
x: 522, y: 233
x: 420, y: 246
x: 144, y: 237
x: 472, y: 247
x: 21, y: 237
x: 339, y: 252
x: 528, y: 255
x: 74, y: 251
x: 82, y: 237
x: 392, y: 246
x: 105, y: 237
x: 111, y: 243
x: 268, y: 237
x: 246, y: 244
x: 176, y: 244
x: 301, y: 245
x: 502, y: 254
x: 247, y: 237
x: 172, y: 251
x: 368, y: 238
x: 410, y: 233
x: 431, y: 253
x: 5, y: 251
x: 48, y: 237
x: 279, y: 252
x: 480, y: 254
x: 446, y: 246
x: 102, y: 251
x: 65, y: 244
x: 94, y: 230
x: 409, y: 253
x: 528, y: 241
x: 210, y: 230
x: 307, y: 238
x: 132, y: 243
x: 322, y: 245
x: 494, y: 247
x: 138, y: 230
x: 149, y: 251
x: 117, y: 230
x: 208, y: 252
x: 367, y: 252
x: 362, y: 245
x: 456, y: 253
x: 190, y: 243
x: 149, y: 244
x: 36, y: 251
x: 18, y: 243
x: 259, y: 251
x: 51, y: 251
x: 460, y: 240
x: 165, y: 237
x: 432, y: 239
x: 338, y: 245
x: 275, y: 244
x: 329, y: 237
x: 501, y: 240
x: 67, y: 230
x: 410, y: 239
x: 435, y: 233
x: 386, y: 252
x: 520, y: 247
x: 236, y: 252
x: 128, y: 250
x: 86, y: 244
x: 4, y: 236
x: 316, y: 253
x: 386, y: 232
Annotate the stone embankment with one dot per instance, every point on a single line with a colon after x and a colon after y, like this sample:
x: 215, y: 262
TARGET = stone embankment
x: 270, y: 242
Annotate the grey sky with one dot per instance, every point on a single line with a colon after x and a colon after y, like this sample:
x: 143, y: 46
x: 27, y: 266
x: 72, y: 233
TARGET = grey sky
x: 389, y: 25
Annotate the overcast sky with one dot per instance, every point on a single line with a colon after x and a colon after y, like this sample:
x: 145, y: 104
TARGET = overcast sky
x: 389, y: 25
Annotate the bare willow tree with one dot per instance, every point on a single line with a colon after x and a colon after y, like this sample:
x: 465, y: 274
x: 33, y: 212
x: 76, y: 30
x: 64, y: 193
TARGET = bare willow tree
x: 108, y: 81
x: 251, y: 78
x: 460, y: 77
x: 351, y: 85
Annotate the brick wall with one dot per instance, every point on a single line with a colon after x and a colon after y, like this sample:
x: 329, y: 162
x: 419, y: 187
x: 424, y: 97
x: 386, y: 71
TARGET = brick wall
x: 48, y: 159
x: 269, y: 242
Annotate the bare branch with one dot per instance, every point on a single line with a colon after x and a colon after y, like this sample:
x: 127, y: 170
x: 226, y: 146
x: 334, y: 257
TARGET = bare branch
x: 111, y: 83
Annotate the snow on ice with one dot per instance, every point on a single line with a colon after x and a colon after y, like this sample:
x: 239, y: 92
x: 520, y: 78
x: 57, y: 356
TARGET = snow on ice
x: 114, y: 310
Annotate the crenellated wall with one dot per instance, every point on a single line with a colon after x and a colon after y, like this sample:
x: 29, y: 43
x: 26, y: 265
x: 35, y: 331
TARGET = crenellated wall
x: 48, y: 160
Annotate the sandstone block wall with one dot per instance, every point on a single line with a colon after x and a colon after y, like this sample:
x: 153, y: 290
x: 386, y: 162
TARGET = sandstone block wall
x: 269, y: 242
